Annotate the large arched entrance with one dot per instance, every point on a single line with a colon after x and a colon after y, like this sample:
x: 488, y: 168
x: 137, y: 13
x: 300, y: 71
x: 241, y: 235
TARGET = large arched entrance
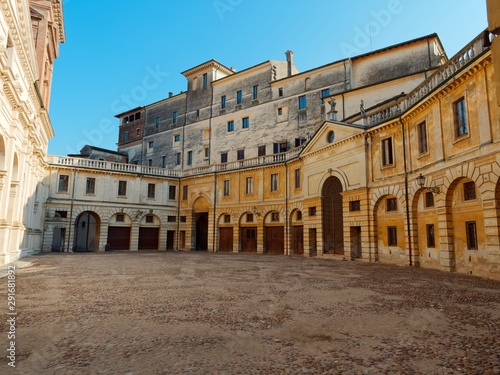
x: 149, y: 232
x: 119, y: 230
x: 87, y: 226
x: 333, y: 217
x: 297, y: 244
x: 201, y: 209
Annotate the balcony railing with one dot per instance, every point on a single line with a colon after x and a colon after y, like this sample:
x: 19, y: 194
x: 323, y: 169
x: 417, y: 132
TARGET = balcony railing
x: 452, y: 66
x: 163, y: 172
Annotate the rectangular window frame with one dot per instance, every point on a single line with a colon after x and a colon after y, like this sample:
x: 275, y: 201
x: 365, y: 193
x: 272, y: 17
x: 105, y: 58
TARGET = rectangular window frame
x: 302, y: 102
x: 90, y: 186
x: 230, y: 126
x: 255, y: 92
x: 274, y: 182
x: 223, y: 102
x: 227, y: 188
x: 189, y: 157
x: 174, y: 117
x: 392, y: 236
x: 387, y: 151
x: 471, y: 230
x: 172, y: 192
x: 423, y: 144
x: 245, y: 123
x: 249, y: 185
x: 239, y: 97
x: 122, y: 188
x: 460, y: 118
x: 151, y: 191
x: 185, y: 190
x: 431, y: 236
x: 298, y: 182
x: 63, y: 186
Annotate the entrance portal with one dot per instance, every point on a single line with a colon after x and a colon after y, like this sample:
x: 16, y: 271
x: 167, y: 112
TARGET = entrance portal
x: 202, y: 232
x: 333, y: 217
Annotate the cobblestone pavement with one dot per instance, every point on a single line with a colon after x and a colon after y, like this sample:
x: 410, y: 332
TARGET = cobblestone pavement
x: 195, y: 313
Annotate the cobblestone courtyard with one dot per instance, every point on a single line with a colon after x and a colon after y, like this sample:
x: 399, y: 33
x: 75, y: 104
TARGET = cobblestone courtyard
x: 194, y: 313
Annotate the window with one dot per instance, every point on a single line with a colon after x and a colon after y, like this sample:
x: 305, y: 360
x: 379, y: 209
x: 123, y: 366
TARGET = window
x: 138, y: 132
x: 354, y: 206
x: 246, y: 123
x: 63, y: 183
x: 240, y: 155
x: 297, y: 179
x: 392, y: 204
x: 90, y: 185
x: 387, y: 157
x: 177, y: 138
x: 122, y: 188
x: 120, y: 218
x: 471, y: 235
x: 205, y: 80
x: 280, y: 92
x: 190, y: 157
x: 249, y: 218
x: 460, y: 118
x: 280, y: 111
x: 223, y: 102
x: 227, y: 219
x: 324, y: 94
x: 183, y: 219
x: 262, y: 151
x: 302, y: 102
x: 422, y: 138
x: 174, y: 118
x: 255, y: 92
x: 431, y: 241
x: 157, y: 122
x: 62, y: 214
x: 392, y: 236
x: 249, y: 185
x: 239, y: 97
x: 164, y: 162
x: 207, y: 152
x: 469, y: 191
x: 185, y: 193
x: 151, y: 144
x: 275, y: 216
x: 125, y: 120
x: 171, y: 219
x: 178, y: 158
x: 429, y: 199
x: 151, y: 191
x: 312, y: 211
x: 230, y: 126
x: 299, y: 216
x: 331, y: 136
x: 138, y: 116
x: 197, y: 113
x: 126, y: 136
x: 171, y: 192
x: 226, y: 188
x: 223, y: 157
x: 150, y: 219
x: 274, y: 182
x: 150, y: 162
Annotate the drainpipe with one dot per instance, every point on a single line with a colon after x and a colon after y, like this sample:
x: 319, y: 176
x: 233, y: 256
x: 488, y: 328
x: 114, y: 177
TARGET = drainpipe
x: 406, y: 193
x: 71, y: 210
x: 215, y: 208
x: 286, y: 211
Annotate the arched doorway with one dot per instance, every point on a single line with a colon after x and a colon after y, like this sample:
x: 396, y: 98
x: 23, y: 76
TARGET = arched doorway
x: 119, y: 231
x: 201, y: 208
x: 297, y: 233
x: 87, y: 226
x: 333, y: 217
x: 149, y: 232
x: 248, y: 233
x: 389, y: 225
x: 225, y: 233
x: 274, y: 233
x: 426, y: 227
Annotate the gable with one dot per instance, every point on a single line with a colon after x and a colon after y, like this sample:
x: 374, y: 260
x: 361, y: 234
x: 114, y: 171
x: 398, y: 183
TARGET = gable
x: 336, y: 130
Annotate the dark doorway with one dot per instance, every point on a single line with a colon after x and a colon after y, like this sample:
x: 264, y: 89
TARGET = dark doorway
x: 119, y: 238
x: 202, y: 232
x: 333, y: 217
x: 356, y: 242
x: 226, y: 239
x: 249, y: 240
x: 149, y: 238
x: 86, y: 232
x: 275, y: 240
x: 170, y: 239
x: 58, y: 240
x: 298, y: 240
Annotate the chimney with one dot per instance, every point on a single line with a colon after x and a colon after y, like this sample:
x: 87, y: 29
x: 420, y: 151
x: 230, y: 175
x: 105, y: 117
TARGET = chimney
x: 170, y: 94
x: 289, y: 60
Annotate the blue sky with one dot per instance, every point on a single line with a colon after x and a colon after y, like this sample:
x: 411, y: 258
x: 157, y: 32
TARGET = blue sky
x: 122, y: 54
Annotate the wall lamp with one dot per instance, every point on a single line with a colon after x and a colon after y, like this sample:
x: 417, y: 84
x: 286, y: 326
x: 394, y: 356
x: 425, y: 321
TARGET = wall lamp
x: 421, y: 183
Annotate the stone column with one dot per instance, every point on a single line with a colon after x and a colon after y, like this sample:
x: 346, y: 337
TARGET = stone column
x: 446, y: 242
x: 307, y: 252
x: 134, y: 237
x: 260, y: 237
x: 236, y: 239
x: 103, y: 236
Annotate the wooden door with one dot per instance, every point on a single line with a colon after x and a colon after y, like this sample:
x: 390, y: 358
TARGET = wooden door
x: 170, y: 239
x: 333, y: 221
x: 202, y: 232
x: 249, y: 240
x: 149, y: 238
x: 226, y: 239
x: 298, y: 240
x: 313, y: 250
x: 275, y: 240
x: 119, y: 238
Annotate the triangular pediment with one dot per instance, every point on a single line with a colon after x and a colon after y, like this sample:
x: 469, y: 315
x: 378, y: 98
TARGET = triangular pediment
x: 330, y: 133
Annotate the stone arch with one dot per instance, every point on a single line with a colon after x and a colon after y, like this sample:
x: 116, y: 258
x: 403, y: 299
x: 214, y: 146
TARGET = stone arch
x: 296, y: 224
x: 119, y: 230
x: 149, y: 232
x: 225, y: 231
x: 332, y: 216
x: 333, y: 173
x: 274, y: 230
x: 87, y: 226
x: 466, y: 234
x: 201, y: 203
x: 248, y: 230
